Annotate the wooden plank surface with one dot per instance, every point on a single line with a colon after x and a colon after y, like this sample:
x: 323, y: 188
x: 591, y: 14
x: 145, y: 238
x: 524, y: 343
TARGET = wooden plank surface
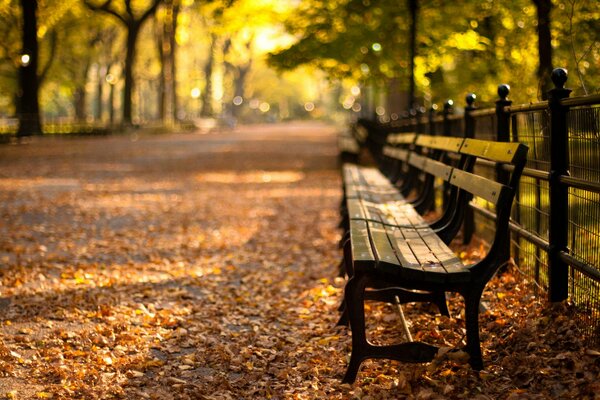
x: 479, y: 186
x: 505, y: 152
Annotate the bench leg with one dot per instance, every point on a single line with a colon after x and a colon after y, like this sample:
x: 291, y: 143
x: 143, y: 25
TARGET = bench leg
x: 344, y: 225
x: 353, y: 295
x: 440, y: 302
x: 345, y: 269
x: 472, y: 299
x: 343, y: 321
x: 414, y: 352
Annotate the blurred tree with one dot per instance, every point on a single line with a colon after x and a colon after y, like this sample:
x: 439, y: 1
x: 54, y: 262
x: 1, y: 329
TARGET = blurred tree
x: 248, y: 32
x: 10, y: 51
x: 28, y: 110
x: 458, y: 46
x: 544, y: 7
x: 167, y: 45
x: 207, y: 93
x: 133, y: 22
x: 413, y: 7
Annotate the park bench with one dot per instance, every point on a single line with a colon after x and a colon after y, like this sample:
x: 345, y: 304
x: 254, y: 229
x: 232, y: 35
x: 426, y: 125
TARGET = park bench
x: 351, y: 142
x: 393, y: 253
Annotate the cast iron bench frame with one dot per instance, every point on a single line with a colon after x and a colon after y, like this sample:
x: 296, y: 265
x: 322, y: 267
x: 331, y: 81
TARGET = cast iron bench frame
x: 392, y: 253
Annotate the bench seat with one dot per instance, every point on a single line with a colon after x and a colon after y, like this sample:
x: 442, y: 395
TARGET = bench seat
x: 392, y: 253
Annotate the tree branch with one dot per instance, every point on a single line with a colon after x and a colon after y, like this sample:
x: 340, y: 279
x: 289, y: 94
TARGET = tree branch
x: 105, y: 8
x: 129, y: 9
x: 572, y: 40
x: 51, y: 57
x: 150, y: 11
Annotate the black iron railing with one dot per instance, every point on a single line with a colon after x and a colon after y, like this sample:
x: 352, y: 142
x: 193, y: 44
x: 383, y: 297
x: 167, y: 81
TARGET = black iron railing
x: 556, y: 216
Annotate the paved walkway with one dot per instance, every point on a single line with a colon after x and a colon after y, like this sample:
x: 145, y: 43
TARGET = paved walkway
x: 179, y: 266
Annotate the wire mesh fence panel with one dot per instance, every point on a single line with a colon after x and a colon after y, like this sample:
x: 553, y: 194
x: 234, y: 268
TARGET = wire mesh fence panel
x: 437, y: 126
x: 455, y: 126
x: 531, y: 249
x: 584, y: 214
x: 485, y: 129
x: 531, y: 207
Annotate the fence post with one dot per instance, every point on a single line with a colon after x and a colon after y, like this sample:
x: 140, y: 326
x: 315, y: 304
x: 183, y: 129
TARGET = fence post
x: 432, y: 112
x: 446, y: 131
x: 559, y: 193
x: 447, y: 111
x: 469, y: 222
x: 503, y: 135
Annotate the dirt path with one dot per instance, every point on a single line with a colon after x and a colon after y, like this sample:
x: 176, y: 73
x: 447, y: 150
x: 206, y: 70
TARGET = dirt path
x: 192, y: 267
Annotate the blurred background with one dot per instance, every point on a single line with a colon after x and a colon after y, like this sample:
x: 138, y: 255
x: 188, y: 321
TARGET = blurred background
x: 164, y: 63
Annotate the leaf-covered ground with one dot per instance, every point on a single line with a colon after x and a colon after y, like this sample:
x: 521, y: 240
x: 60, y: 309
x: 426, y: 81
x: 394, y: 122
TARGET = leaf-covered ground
x: 203, y: 267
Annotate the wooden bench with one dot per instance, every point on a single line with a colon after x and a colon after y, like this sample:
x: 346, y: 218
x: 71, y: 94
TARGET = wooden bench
x: 392, y: 253
x: 351, y: 142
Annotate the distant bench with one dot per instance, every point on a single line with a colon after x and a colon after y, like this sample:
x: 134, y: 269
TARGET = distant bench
x: 393, y: 254
x: 351, y: 142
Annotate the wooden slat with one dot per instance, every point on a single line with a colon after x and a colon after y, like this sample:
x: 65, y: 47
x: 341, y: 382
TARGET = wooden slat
x: 348, y: 144
x: 401, y: 138
x: 361, y: 244
x: 416, y: 160
x: 406, y: 215
x: 437, y: 169
x: 355, y: 209
x: 445, y: 143
x: 479, y: 186
x: 395, y: 153
x: 504, y: 152
x: 424, y: 256
x: 361, y: 133
x: 381, y: 244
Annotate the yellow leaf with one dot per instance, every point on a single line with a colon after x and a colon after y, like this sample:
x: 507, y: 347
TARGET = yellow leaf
x: 44, y: 395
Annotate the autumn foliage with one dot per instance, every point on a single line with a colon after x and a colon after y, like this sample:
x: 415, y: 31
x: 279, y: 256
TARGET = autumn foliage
x: 204, y: 267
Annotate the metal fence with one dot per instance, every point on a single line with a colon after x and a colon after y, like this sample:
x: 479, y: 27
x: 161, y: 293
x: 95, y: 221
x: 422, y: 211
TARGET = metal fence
x: 555, y: 223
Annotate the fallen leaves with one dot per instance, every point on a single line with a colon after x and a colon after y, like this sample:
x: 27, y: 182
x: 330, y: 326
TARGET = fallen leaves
x: 149, y: 281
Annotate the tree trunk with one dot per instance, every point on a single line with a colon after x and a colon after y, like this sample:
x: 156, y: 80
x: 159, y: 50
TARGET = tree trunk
x: 29, y: 109
x: 79, y: 97
x: 207, y: 110
x: 173, y: 54
x: 162, y: 81
x: 111, y: 101
x: 413, y: 6
x: 79, y: 102
x: 166, y: 51
x: 132, y: 34
x: 100, y: 93
x: 133, y: 25
x: 544, y: 7
x: 240, y: 84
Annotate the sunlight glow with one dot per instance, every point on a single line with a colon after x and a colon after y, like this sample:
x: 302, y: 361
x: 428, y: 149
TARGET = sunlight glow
x: 271, y: 39
x: 25, y: 59
x: 264, y: 107
x: 251, y: 177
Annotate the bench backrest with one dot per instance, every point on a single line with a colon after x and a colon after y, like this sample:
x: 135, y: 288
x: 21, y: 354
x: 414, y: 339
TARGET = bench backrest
x: 451, y: 160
